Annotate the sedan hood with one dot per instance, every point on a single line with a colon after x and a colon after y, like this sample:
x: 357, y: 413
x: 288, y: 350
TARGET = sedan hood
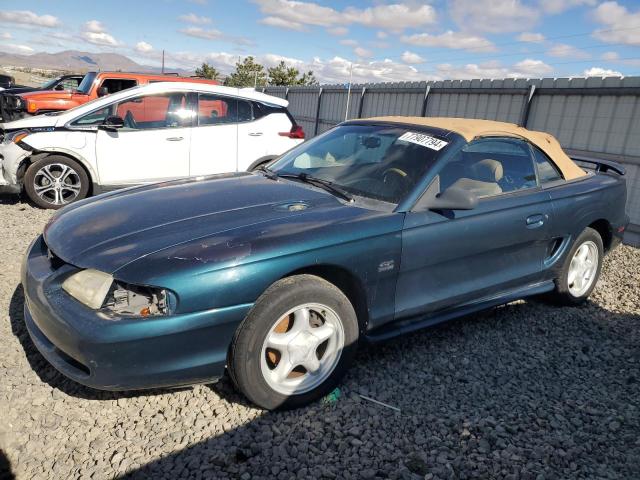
x: 39, y: 121
x: 113, y: 230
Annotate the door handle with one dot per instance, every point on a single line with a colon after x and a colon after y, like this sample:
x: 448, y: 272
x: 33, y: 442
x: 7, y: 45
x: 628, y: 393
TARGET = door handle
x: 255, y: 134
x: 535, y: 221
x: 174, y: 139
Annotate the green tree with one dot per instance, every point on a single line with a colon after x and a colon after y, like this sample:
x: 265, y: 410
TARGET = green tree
x: 284, y: 75
x: 208, y: 71
x: 248, y: 74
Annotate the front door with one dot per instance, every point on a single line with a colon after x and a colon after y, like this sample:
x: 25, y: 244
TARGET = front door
x: 458, y: 256
x: 153, y: 145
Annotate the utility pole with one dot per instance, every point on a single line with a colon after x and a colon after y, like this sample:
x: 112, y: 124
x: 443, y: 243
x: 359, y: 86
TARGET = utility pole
x: 346, y: 111
x: 163, y: 61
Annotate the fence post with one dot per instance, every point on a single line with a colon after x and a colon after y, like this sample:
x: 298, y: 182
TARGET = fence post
x: 424, y: 102
x: 315, y: 130
x: 364, y: 90
x: 286, y: 94
x: 527, y: 106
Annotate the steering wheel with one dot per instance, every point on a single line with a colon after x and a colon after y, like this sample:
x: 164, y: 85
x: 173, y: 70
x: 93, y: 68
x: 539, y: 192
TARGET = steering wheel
x: 129, y: 121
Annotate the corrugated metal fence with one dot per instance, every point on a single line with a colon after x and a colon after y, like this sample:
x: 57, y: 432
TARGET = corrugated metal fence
x: 597, y: 117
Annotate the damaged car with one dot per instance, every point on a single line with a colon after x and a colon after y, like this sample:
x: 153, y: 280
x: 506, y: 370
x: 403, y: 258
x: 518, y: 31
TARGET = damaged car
x: 373, y: 229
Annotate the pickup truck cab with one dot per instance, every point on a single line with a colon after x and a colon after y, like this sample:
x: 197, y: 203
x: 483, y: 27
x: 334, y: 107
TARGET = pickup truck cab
x: 93, y: 85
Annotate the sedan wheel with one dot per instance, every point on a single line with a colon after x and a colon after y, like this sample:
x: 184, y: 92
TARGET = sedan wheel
x: 302, y: 349
x: 55, y: 181
x: 295, y: 343
x: 582, y: 269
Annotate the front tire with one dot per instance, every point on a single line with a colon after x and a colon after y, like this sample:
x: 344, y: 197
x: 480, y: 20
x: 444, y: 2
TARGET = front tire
x: 581, y: 269
x: 55, y: 181
x: 295, y: 344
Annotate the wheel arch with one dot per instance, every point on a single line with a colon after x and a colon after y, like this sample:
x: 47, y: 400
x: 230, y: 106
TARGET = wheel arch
x: 260, y: 161
x: 603, y: 227
x: 26, y: 163
x: 347, y: 282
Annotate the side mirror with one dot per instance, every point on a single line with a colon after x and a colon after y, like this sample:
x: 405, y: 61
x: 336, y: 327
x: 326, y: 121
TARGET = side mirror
x: 102, y: 91
x: 112, y: 123
x: 59, y: 87
x: 451, y: 199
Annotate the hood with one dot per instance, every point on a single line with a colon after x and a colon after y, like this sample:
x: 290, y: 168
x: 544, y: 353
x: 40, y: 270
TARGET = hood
x: 113, y: 230
x: 19, y: 90
x: 37, y: 121
x: 46, y: 94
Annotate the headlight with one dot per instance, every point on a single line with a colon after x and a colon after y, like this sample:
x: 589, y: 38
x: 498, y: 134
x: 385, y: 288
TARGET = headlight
x: 89, y: 287
x: 98, y: 290
x: 15, y: 137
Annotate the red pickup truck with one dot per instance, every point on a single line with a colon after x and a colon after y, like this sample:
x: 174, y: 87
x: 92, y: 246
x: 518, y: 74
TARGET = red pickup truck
x: 93, y: 85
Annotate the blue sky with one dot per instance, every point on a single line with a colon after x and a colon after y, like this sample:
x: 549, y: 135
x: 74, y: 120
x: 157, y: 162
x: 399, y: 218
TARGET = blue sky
x: 384, y: 40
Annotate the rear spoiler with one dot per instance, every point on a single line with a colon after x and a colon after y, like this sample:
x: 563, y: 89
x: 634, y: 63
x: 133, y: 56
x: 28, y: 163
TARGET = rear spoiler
x: 599, y: 165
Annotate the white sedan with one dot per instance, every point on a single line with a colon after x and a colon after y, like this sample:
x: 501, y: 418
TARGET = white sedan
x: 151, y: 133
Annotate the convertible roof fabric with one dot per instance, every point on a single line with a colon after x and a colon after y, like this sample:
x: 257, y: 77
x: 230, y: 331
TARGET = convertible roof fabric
x: 473, y: 128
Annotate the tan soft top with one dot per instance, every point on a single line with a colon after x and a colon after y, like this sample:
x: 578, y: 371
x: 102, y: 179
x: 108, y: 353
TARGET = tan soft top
x: 472, y: 128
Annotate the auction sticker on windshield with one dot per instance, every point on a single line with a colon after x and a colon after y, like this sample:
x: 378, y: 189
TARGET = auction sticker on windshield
x: 424, y: 140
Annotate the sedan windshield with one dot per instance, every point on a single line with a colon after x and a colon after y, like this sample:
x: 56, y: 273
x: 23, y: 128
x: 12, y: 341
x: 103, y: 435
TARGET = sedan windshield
x: 51, y: 84
x: 374, y: 161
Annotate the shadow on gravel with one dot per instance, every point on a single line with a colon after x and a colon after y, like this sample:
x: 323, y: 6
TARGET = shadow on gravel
x: 50, y: 375
x: 5, y: 468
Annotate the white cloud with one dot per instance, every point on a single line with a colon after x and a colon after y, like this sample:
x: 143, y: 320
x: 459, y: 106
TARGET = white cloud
x: 363, y: 52
x: 27, y: 17
x: 412, y: 58
x: 450, y: 39
x: 6, y: 36
x: 198, y: 32
x: 19, y: 49
x: 601, y: 72
x: 143, y: 47
x: 494, y: 69
x: 282, y: 23
x: 563, y: 50
x: 382, y: 34
x: 96, y: 34
x: 610, y: 56
x: 349, y: 42
x: 531, y: 37
x: 293, y: 14
x: 559, y: 6
x: 530, y: 68
x: 493, y: 16
x: 620, y: 24
x: 337, y: 31
x: 194, y: 19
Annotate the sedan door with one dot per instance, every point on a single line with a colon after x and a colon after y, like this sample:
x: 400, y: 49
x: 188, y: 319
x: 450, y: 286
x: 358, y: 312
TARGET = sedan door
x: 153, y: 145
x: 214, y: 141
x: 452, y: 257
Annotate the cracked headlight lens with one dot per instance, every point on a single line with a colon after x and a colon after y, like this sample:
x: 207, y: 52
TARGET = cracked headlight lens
x: 89, y: 287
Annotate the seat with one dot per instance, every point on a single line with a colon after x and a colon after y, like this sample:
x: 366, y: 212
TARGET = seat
x: 486, y: 175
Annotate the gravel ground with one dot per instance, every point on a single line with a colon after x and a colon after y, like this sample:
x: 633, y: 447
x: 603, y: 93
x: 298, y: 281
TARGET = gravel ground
x: 527, y: 391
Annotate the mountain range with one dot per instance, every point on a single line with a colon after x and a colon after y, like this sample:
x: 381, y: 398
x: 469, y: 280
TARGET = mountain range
x: 77, y: 61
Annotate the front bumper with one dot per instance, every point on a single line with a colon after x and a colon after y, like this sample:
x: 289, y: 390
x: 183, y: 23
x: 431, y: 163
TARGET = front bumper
x: 10, y: 157
x: 125, y: 354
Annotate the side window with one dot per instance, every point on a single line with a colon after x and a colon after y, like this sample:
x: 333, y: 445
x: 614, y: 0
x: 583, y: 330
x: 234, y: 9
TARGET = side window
x: 167, y: 110
x: 114, y: 85
x: 245, y: 112
x: 547, y: 171
x: 490, y: 167
x: 94, y: 118
x: 71, y: 83
x: 215, y: 109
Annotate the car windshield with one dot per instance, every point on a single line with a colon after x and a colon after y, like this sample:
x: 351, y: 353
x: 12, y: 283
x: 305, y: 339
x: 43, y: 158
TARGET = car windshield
x: 374, y: 161
x: 85, y: 84
x: 51, y: 84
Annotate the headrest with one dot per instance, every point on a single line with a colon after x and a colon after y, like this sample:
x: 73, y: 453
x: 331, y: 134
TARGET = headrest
x: 488, y: 170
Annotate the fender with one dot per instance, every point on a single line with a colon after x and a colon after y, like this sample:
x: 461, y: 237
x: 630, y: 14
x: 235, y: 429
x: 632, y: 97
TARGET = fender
x: 39, y: 154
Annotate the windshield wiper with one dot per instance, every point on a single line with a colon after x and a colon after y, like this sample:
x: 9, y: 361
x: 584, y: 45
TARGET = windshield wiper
x: 318, y: 182
x: 270, y: 174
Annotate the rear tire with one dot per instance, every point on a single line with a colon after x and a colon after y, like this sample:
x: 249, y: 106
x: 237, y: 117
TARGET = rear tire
x: 581, y: 269
x: 295, y: 344
x: 55, y: 181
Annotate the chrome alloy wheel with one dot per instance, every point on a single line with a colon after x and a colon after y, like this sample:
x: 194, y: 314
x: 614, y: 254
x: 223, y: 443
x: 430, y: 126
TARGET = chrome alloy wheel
x: 57, y: 183
x: 302, y: 349
x: 583, y: 268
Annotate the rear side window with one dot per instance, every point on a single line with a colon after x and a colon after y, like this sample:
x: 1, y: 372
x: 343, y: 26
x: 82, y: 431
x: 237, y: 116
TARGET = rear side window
x: 547, y: 171
x: 216, y: 110
x: 114, y: 85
